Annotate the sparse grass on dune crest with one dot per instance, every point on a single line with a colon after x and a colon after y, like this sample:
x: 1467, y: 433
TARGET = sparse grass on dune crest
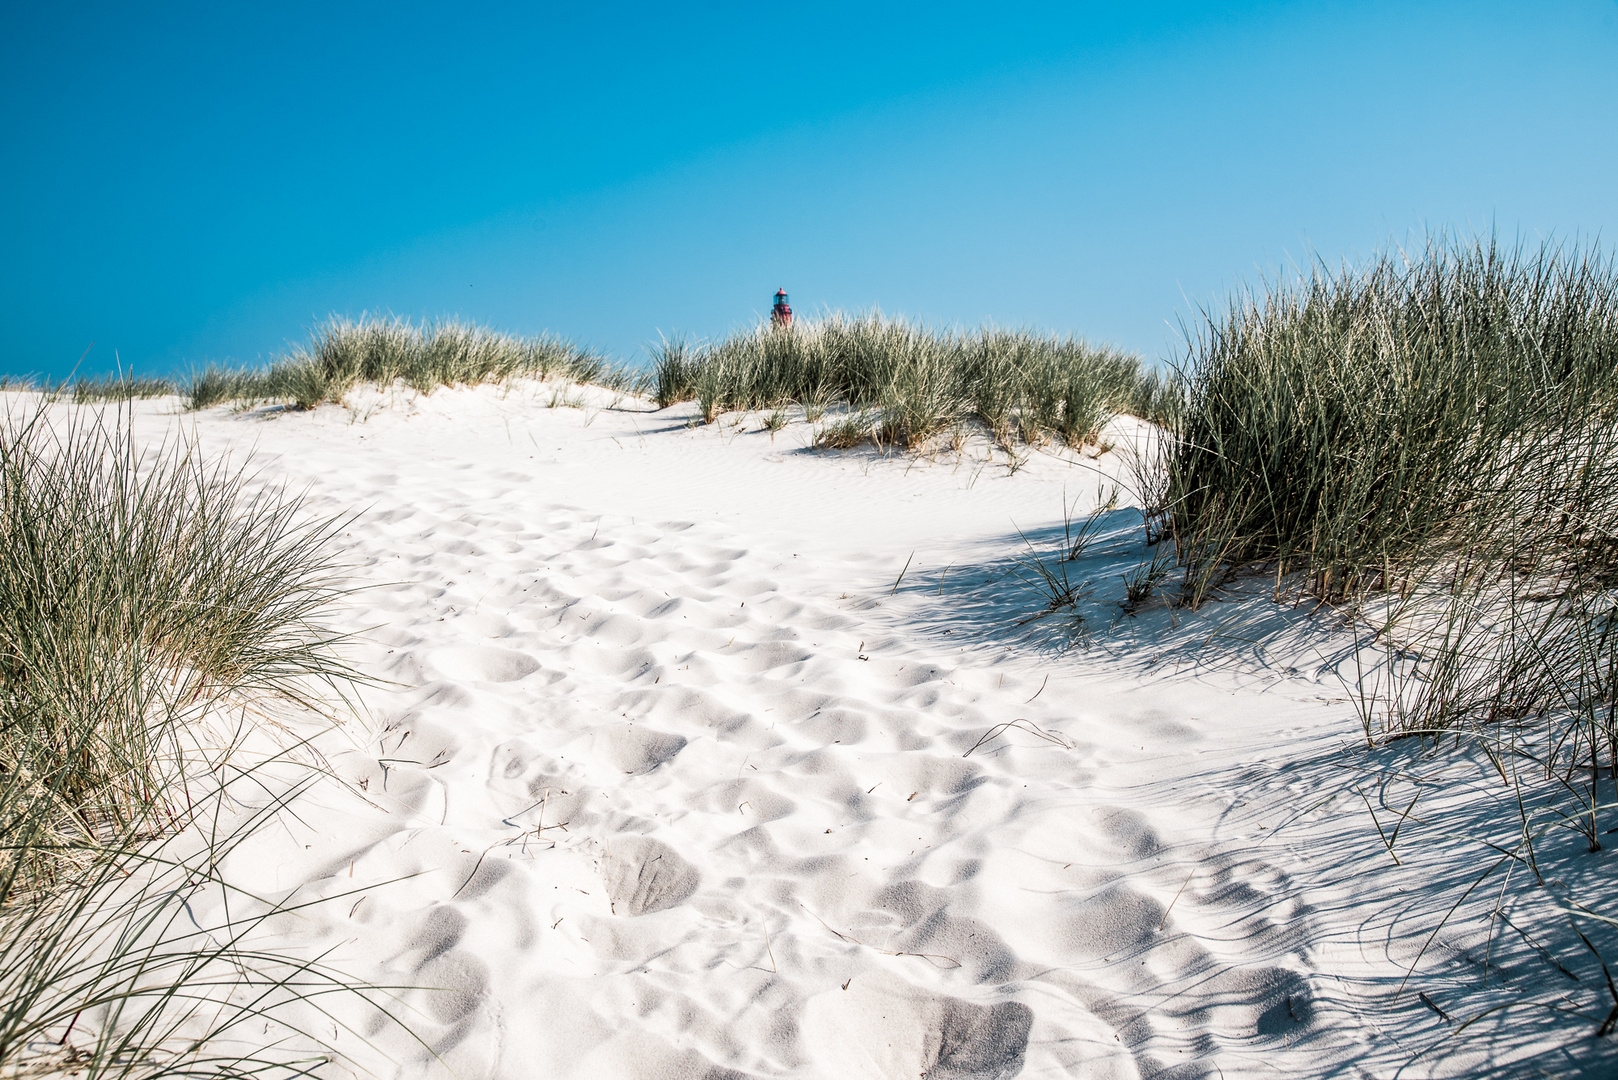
x: 120, y: 388
x: 146, y: 600
x: 344, y: 353
x: 217, y: 385
x: 914, y: 382
x: 98, y: 390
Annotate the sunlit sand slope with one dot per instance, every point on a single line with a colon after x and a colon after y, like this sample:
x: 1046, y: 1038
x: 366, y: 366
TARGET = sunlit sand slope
x: 675, y: 776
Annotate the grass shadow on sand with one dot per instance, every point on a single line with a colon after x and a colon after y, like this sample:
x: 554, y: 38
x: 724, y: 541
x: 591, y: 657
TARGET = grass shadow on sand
x: 1481, y: 890
x: 1023, y: 590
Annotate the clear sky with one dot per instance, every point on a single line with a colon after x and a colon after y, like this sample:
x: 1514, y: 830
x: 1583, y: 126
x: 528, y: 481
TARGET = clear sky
x: 192, y: 183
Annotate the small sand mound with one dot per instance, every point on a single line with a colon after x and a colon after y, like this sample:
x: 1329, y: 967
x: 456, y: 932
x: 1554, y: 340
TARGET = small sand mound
x: 638, y: 750
x: 645, y: 875
x: 882, y: 1027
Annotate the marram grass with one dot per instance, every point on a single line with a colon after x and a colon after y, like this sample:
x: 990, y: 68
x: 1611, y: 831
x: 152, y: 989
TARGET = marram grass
x: 143, y: 597
x: 113, y: 388
x: 1427, y: 446
x: 1455, y: 406
x: 100, y: 389
x: 133, y: 587
x: 344, y: 353
x: 1429, y: 443
x: 914, y: 383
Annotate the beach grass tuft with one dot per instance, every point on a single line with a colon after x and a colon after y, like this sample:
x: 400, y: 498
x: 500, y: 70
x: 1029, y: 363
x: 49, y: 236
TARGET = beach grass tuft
x: 143, y: 597
x: 1451, y: 406
x: 113, y: 388
x: 1427, y: 441
x: 133, y: 587
x: 1427, y: 444
x: 343, y: 353
x: 99, y: 389
x: 916, y: 383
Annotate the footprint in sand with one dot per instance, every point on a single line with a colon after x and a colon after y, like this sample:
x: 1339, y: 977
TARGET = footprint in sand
x: 455, y: 990
x: 643, y: 875
x: 881, y: 1027
x: 636, y: 749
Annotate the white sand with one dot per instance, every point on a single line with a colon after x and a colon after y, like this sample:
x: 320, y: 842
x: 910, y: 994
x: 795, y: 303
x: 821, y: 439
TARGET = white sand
x: 689, y: 789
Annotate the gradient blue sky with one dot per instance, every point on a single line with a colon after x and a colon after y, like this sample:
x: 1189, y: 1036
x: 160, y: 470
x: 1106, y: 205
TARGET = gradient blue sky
x: 193, y: 183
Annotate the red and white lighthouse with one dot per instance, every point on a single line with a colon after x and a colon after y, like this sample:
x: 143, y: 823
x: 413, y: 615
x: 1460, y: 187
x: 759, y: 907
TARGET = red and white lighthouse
x: 781, y: 313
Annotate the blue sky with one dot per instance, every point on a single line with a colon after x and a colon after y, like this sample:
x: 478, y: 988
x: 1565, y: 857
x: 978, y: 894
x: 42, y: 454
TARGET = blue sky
x: 184, y: 184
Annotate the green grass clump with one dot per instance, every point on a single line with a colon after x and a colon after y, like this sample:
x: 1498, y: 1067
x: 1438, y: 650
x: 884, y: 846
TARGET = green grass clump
x: 216, y: 385
x: 1454, y: 406
x: 143, y: 598
x: 1438, y: 432
x: 1426, y: 446
x: 102, y: 389
x: 917, y: 382
x: 345, y: 353
x: 132, y: 590
x: 120, y: 388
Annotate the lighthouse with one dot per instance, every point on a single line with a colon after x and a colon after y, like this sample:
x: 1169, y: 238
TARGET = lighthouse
x: 781, y: 312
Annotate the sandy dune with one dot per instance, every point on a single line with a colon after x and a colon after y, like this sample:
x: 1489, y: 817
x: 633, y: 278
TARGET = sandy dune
x: 674, y: 781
